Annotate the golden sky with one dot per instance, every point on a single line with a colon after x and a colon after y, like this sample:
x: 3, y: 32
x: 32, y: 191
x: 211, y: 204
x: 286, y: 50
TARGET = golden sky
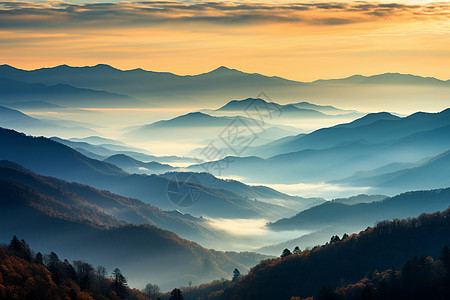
x: 301, y: 41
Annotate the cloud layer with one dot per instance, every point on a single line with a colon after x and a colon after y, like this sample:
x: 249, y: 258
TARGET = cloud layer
x: 22, y: 14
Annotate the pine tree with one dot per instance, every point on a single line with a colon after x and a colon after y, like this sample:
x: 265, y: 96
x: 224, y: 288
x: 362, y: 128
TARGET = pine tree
x: 236, y: 275
x: 286, y: 252
x: 119, y: 284
x: 176, y: 294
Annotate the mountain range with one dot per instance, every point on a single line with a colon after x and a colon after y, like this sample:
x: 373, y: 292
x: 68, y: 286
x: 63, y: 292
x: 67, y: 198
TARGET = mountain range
x: 198, y: 126
x: 215, y: 87
x: 341, y: 261
x: 340, y: 151
x: 14, y: 119
x: 53, y: 218
x: 51, y: 158
x: 61, y: 94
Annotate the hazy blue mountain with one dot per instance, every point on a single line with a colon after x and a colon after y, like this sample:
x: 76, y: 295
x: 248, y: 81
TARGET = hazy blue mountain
x: 365, y: 214
x: 223, y: 83
x: 259, y: 107
x: 248, y: 259
x: 326, y: 109
x: 430, y: 174
x: 11, y: 118
x: 200, y: 126
x: 61, y: 94
x: 132, y: 165
x: 14, y: 119
x: 249, y: 191
x: 343, y: 160
x: 101, y: 208
x: 98, y: 140
x: 145, y: 253
x: 147, y: 84
x: 103, y: 151
x: 376, y: 128
x: 33, y: 105
x: 361, y: 198
x: 51, y: 158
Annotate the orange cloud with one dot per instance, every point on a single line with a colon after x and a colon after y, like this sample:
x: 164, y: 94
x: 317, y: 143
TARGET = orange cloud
x: 302, y: 41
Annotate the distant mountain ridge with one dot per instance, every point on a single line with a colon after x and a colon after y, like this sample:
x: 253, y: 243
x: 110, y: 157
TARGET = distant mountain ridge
x: 132, y: 165
x: 74, y: 229
x: 365, y: 214
x: 12, y: 90
x: 337, y: 152
x: 51, y: 158
x: 223, y: 83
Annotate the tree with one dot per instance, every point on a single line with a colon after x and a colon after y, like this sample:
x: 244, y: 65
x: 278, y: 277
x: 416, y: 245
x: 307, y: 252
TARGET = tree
x: 176, y: 294
x: 334, y: 239
x: 53, y: 264
x: 236, y: 275
x: 286, y: 252
x: 101, y: 280
x: 296, y: 250
x: 85, y: 274
x: 344, y: 236
x: 152, y: 290
x: 39, y: 259
x: 119, y: 284
x: 20, y: 249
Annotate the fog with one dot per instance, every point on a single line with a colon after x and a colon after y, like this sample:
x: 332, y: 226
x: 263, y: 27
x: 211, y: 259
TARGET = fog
x: 250, y: 234
x: 320, y: 189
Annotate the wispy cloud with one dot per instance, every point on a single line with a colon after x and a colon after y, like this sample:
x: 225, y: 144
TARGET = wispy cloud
x: 20, y: 14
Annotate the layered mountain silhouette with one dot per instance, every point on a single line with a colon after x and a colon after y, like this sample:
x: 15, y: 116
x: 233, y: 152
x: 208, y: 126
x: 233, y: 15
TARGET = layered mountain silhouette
x: 430, y: 174
x: 61, y: 94
x: 132, y: 165
x: 51, y: 158
x: 101, y: 150
x: 258, y: 108
x: 198, y: 126
x: 249, y: 191
x: 53, y: 218
x: 101, y: 208
x: 14, y: 119
x: 366, y: 214
x: 223, y: 83
x: 386, y: 246
x: 342, y: 150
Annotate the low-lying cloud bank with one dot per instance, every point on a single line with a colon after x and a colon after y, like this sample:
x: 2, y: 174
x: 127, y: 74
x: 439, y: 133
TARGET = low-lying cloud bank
x: 19, y: 14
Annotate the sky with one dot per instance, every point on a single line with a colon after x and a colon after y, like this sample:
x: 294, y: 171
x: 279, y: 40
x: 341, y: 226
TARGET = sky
x: 301, y: 41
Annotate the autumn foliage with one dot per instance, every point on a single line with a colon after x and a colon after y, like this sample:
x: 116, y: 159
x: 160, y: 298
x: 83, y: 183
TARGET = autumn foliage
x: 24, y: 275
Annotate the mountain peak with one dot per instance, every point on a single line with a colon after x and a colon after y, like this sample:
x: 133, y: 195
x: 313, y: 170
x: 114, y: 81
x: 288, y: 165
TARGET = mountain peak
x: 371, y: 118
x: 240, y: 105
x: 222, y: 70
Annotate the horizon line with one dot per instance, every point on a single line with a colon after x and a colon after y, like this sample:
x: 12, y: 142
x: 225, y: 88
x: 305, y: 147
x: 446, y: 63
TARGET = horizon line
x: 222, y: 67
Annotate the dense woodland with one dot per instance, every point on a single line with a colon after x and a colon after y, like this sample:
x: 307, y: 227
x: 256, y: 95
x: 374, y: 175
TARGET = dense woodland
x: 413, y: 255
x: 412, y: 252
x: 26, y: 275
x: 418, y: 278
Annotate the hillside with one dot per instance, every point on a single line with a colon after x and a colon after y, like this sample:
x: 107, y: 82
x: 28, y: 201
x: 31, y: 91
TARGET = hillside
x: 340, y: 262
x: 365, y: 214
x: 249, y: 191
x: 430, y: 174
x: 132, y: 165
x: 363, y: 151
x: 101, y: 208
x: 146, y: 253
x: 50, y: 158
